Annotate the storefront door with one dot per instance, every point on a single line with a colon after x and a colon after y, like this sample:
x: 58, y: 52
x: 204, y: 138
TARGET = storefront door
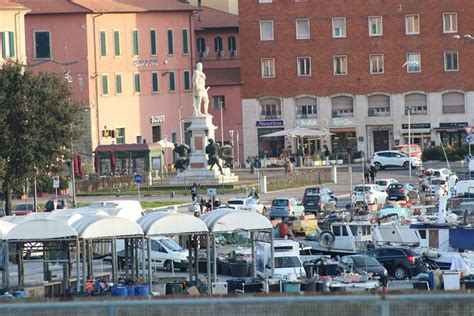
x: 381, y: 141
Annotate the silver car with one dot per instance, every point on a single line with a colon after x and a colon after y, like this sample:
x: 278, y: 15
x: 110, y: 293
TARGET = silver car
x: 286, y: 207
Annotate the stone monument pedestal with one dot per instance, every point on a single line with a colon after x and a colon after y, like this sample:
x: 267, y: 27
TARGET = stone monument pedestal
x: 198, y: 169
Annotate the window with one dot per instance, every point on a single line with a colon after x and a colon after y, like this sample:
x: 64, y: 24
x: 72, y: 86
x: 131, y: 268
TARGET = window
x: 170, y: 42
x: 185, y: 42
x: 306, y: 108
x: 8, y: 44
x: 218, y: 101
x: 120, y: 139
x: 154, y: 82
x: 105, y: 84
x: 201, y: 47
x: 302, y: 29
x: 270, y: 109
x: 451, y: 61
x: 268, y: 67
x: 376, y: 64
x: 187, y: 80
x: 342, y: 106
x: 379, y: 105
x: 42, y: 44
x: 153, y: 42
x: 232, y: 43
x: 265, y: 1
x: 135, y: 42
x: 413, y: 62
x: 218, y: 44
x: 375, y: 26
x: 304, y: 66
x: 453, y: 102
x: 340, y: 65
x: 118, y: 84
x: 417, y: 102
x: 412, y: 24
x: 103, y: 44
x: 266, y: 30
x: 171, y: 81
x: 339, y: 27
x: 450, y: 22
x: 137, y: 84
x: 117, y: 43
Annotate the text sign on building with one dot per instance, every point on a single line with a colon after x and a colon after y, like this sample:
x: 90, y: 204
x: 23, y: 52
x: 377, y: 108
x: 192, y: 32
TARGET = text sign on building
x: 269, y: 123
x: 145, y: 63
x: 307, y: 123
x: 157, y: 119
x: 417, y: 125
x: 454, y: 124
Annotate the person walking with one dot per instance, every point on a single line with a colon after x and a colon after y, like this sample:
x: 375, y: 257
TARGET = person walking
x: 326, y: 154
x: 194, y: 189
x: 372, y: 172
x: 366, y: 173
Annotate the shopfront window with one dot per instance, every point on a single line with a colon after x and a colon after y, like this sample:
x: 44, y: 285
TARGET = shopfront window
x: 270, y: 146
x: 343, y: 141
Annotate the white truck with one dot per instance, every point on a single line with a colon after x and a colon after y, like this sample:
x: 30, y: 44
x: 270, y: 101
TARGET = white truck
x: 288, y: 263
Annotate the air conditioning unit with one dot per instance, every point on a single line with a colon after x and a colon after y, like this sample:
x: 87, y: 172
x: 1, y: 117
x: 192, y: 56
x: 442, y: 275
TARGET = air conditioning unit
x: 233, y: 53
x: 336, y: 114
x: 371, y: 112
x: 203, y: 54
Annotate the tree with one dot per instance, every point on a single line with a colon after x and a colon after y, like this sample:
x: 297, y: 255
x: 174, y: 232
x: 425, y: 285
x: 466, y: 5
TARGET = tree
x: 38, y: 123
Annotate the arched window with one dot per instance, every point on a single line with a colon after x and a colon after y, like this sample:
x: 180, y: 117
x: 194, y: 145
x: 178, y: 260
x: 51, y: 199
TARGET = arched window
x: 201, y: 44
x: 453, y: 102
x: 218, y: 44
x: 306, y: 108
x: 342, y: 106
x: 379, y: 105
x: 417, y: 103
x: 232, y: 43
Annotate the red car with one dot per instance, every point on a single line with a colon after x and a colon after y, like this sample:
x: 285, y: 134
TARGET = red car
x: 410, y: 150
x: 23, y: 209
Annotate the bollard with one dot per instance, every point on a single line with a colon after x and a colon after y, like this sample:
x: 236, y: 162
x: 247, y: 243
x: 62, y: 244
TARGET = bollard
x: 334, y: 174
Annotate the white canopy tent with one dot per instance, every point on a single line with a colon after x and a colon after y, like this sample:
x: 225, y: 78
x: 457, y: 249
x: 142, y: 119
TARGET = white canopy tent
x: 299, y: 132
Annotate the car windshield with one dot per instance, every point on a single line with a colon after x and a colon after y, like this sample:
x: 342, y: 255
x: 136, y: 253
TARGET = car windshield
x: 236, y: 202
x: 310, y: 191
x: 365, y: 262
x: 362, y: 189
x: 280, y: 203
x: 28, y: 207
x: 381, y: 182
x: 287, y: 262
x: 171, y: 244
x: 395, y: 186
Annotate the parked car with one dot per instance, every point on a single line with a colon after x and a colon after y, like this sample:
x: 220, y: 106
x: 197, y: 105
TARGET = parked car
x: 286, y: 207
x: 246, y: 204
x: 318, y: 203
x: 400, y: 262
x: 409, y: 150
x: 369, y: 194
x: 392, y: 158
x: 23, y: 209
x: 437, y: 186
x: 394, y: 209
x: 318, y: 190
x: 402, y: 191
x: 384, y: 183
x: 364, y: 264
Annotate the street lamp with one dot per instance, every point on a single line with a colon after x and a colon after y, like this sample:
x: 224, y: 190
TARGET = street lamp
x: 222, y: 122
x: 409, y: 142
x: 231, y: 133
x: 238, y: 150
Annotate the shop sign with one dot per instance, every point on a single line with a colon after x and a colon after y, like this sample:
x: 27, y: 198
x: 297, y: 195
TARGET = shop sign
x: 157, y: 119
x: 307, y: 123
x: 417, y: 125
x: 453, y: 125
x: 341, y: 121
x: 269, y: 123
x: 145, y: 62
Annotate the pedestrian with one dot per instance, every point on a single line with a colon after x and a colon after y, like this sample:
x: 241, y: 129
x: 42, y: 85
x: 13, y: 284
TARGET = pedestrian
x: 286, y: 165
x: 372, y: 172
x: 326, y: 154
x: 366, y: 173
x: 285, y: 229
x: 194, y: 189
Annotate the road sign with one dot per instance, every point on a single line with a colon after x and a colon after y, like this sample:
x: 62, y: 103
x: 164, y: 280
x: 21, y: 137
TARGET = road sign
x: 137, y: 178
x: 468, y: 129
x: 56, y: 182
x: 469, y: 139
x: 211, y: 192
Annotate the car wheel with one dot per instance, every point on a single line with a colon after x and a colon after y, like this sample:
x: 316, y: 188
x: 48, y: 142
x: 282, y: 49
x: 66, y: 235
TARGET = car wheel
x: 168, y: 266
x: 400, y: 273
x: 406, y: 165
x: 378, y: 166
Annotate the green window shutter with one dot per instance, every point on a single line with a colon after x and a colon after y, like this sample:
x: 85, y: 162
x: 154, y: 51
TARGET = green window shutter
x: 118, y: 84
x: 117, y: 43
x: 12, y: 43
x: 154, y: 79
x: 172, y: 83
x: 170, y: 42
x: 185, y: 42
x: 4, y: 44
x: 135, y: 42
x: 138, y: 87
x: 187, y: 81
x: 153, y: 42
x: 103, y: 44
x: 105, y: 85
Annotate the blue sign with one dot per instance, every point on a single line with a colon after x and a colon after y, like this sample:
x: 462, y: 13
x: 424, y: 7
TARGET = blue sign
x: 469, y: 139
x: 269, y: 123
x: 137, y: 178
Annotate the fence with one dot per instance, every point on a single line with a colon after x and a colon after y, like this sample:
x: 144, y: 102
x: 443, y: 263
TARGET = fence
x: 345, y: 305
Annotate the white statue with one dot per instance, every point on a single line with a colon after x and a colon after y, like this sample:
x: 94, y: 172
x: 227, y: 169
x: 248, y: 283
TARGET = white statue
x: 200, y: 92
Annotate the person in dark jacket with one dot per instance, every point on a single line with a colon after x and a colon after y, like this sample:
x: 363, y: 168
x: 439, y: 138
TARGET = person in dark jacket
x: 373, y: 173
x: 366, y: 173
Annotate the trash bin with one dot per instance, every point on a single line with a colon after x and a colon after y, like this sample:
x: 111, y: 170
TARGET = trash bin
x: 239, y: 269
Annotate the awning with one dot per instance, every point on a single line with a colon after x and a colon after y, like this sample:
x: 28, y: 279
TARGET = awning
x: 229, y: 220
x: 101, y: 227
x: 418, y: 130
x: 448, y: 129
x: 164, y: 223
x: 39, y: 230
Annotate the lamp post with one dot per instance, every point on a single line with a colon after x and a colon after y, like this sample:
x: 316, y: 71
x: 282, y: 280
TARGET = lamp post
x: 231, y: 133
x: 409, y: 142
x: 222, y: 122
x: 180, y: 124
x: 238, y: 150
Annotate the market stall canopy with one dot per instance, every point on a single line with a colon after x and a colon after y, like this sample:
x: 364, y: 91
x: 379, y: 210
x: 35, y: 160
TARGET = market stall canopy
x: 164, y: 223
x: 99, y: 227
x: 39, y: 230
x: 5, y: 227
x: 299, y: 132
x: 228, y: 220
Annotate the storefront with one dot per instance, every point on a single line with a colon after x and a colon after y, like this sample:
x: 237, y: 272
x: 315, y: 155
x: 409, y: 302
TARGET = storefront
x: 420, y: 134
x: 452, y: 133
x: 270, y: 146
x: 311, y: 146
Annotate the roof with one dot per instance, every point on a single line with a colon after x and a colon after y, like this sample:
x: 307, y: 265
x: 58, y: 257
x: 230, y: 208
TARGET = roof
x: 52, y: 6
x: 229, y: 220
x: 40, y: 229
x: 128, y: 147
x: 99, y: 227
x: 163, y: 223
x: 8, y: 5
x: 213, y: 18
x: 134, y: 5
x: 5, y: 227
x: 223, y: 76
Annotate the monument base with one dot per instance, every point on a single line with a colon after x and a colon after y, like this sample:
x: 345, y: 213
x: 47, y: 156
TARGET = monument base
x: 204, y: 176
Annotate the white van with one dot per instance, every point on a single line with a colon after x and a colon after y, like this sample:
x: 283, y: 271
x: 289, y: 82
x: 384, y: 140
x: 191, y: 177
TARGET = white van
x: 287, y: 260
x: 165, y: 254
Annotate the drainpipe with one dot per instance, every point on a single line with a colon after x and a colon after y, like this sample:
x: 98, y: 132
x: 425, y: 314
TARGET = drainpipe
x: 95, y: 77
x: 17, y: 40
